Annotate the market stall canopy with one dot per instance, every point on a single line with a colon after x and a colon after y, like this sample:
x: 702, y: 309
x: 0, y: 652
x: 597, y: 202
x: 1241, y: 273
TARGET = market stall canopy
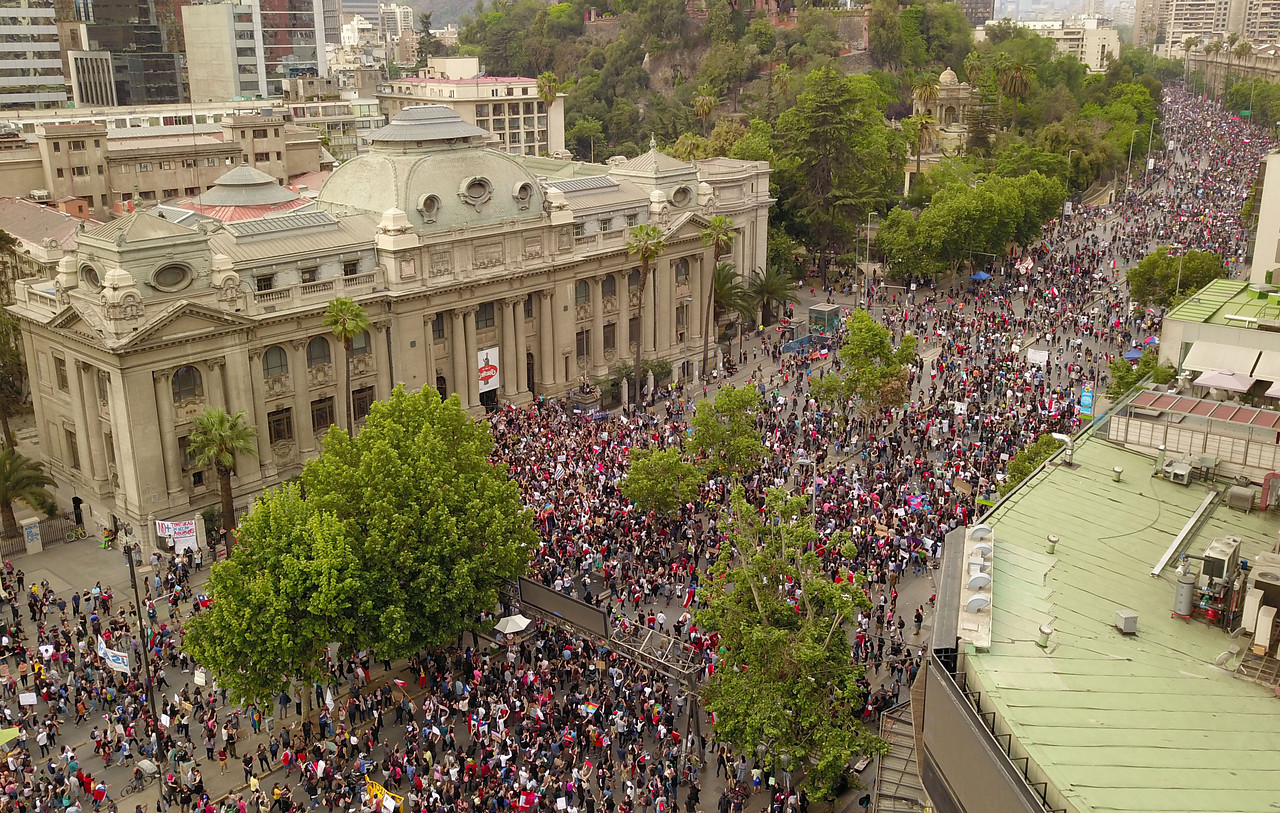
x: 1268, y: 366
x: 1132, y: 355
x: 1206, y: 356
x: 1223, y: 380
x: 512, y: 624
x: 1274, y: 390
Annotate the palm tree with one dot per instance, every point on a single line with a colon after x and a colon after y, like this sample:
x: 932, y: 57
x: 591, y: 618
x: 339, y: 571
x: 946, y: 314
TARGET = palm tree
x: 218, y: 437
x: 644, y: 242
x: 1017, y: 82
x: 1212, y: 49
x: 548, y: 88
x: 926, y: 130
x: 689, y: 147
x: 704, y: 104
x: 973, y: 66
x: 768, y: 288
x: 346, y: 320
x: 925, y: 92
x: 1189, y: 45
x: 719, y: 234
x: 1000, y: 66
x: 21, y: 478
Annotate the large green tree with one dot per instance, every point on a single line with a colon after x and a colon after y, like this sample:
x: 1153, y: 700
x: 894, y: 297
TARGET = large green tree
x: 291, y: 587
x: 660, y: 480
x: 785, y: 676
x: 21, y: 478
x: 872, y: 371
x: 838, y: 159
x: 1163, y: 278
x: 13, y: 374
x: 719, y: 234
x: 646, y: 243
x: 436, y: 527
x: 725, y: 438
x: 214, y: 443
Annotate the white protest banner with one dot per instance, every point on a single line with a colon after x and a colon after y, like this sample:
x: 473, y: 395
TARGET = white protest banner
x: 115, y: 659
x: 27, y: 699
x: 1040, y: 357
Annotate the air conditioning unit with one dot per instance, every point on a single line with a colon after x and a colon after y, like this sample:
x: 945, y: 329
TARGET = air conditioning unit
x: 1268, y: 581
x: 1221, y: 558
x: 39, y: 195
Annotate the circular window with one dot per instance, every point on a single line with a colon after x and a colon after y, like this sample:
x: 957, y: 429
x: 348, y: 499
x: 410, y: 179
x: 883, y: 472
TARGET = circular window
x: 429, y: 205
x: 171, y: 278
x: 90, y: 276
x: 476, y: 191
x: 682, y: 196
x: 524, y: 192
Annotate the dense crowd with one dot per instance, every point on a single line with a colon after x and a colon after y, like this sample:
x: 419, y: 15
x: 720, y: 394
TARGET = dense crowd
x: 552, y: 721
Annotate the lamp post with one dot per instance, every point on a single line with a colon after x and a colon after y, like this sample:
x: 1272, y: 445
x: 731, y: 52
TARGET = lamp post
x: 1151, y: 134
x: 870, y: 215
x: 142, y: 633
x: 1128, y: 172
x: 802, y: 461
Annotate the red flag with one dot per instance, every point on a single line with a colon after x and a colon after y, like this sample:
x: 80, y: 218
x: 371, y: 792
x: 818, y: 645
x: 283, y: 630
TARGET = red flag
x: 399, y: 683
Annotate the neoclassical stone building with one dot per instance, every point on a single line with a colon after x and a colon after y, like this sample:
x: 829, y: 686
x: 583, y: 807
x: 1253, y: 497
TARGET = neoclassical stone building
x: 494, y: 276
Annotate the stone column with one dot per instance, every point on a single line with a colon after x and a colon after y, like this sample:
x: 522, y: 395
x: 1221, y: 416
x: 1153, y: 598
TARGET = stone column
x: 664, y: 310
x: 548, y: 374
x: 473, y: 365
x: 510, y: 364
x: 239, y: 392
x: 379, y: 333
x: 458, y: 350
x: 597, y: 328
x: 698, y: 312
x: 300, y: 379
x: 622, y: 337
x: 96, y: 462
x: 258, y: 392
x: 168, y: 432
x: 80, y: 422
x: 648, y: 316
x: 428, y: 322
x: 521, y: 386
x: 215, y: 394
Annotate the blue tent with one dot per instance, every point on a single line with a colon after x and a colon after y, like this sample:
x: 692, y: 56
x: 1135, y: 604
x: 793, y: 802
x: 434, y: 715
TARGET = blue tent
x: 1133, y: 355
x: 981, y: 276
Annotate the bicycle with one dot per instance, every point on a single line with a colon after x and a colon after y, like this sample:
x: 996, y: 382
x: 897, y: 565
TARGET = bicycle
x: 136, y: 784
x: 77, y: 532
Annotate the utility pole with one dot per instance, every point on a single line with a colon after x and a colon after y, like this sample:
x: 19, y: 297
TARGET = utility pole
x: 142, y: 633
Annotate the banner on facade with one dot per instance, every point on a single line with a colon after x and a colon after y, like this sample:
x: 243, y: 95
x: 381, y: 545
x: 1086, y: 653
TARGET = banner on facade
x: 178, y: 529
x: 487, y: 369
x: 116, y: 659
x: 1086, y: 400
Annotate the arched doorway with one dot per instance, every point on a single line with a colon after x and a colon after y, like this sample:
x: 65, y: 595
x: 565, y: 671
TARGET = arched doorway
x: 442, y: 387
x: 949, y: 116
x: 529, y: 371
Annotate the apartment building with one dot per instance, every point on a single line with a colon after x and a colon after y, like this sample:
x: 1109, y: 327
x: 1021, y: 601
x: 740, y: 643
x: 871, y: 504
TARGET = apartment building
x: 250, y: 50
x: 506, y: 106
x: 31, y: 73
x: 1088, y: 39
x: 123, y: 52
x: 1206, y: 19
x: 116, y: 170
x: 395, y: 22
x: 1150, y: 22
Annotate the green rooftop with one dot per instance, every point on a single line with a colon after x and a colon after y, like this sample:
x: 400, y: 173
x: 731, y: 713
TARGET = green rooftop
x: 1219, y: 302
x: 1115, y: 723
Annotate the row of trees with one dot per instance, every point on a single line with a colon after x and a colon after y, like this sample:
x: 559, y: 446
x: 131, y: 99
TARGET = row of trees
x: 963, y: 224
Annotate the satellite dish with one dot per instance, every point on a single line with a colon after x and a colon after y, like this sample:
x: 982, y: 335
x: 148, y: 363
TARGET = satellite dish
x: 976, y: 603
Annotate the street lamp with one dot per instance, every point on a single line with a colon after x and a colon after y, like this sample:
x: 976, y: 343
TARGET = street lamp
x: 802, y: 461
x: 1128, y: 172
x: 870, y: 215
x: 1182, y: 255
x: 1151, y: 134
x: 142, y: 634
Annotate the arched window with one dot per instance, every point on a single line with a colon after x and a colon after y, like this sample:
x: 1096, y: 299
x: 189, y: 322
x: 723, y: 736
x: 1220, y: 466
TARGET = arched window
x: 187, y: 384
x: 360, y: 343
x: 318, y: 352
x: 633, y: 280
x: 682, y: 269
x: 275, y: 362
x: 609, y: 287
x: 581, y: 293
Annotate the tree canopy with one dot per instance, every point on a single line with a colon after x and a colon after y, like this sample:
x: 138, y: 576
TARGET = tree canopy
x: 725, y: 438
x: 405, y: 534
x: 786, y: 677
x: 1162, y: 278
x: 660, y: 480
x: 872, y: 371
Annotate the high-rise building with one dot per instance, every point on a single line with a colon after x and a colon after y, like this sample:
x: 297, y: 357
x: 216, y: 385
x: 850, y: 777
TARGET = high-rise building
x: 978, y: 11
x: 1150, y: 17
x: 249, y: 50
x: 123, y: 52
x: 1262, y: 21
x: 1206, y: 19
x: 31, y: 72
x: 395, y: 21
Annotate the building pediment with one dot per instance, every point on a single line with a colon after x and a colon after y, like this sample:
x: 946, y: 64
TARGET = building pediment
x: 182, y: 322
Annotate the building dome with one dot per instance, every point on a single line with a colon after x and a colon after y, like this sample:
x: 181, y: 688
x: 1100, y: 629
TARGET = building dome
x: 948, y: 78
x: 434, y: 167
x: 246, y: 186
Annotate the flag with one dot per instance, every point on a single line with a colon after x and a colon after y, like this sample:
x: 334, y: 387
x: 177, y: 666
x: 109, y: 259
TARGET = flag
x: 527, y: 800
x: 399, y: 683
x: 591, y: 708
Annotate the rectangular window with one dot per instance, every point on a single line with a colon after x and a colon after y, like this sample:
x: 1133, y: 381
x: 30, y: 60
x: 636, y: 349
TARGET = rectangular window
x: 610, y: 336
x: 166, y: 165
x: 262, y: 156
x: 310, y: 275
x: 632, y: 220
x: 148, y: 195
x: 104, y: 386
x: 191, y: 191
x: 145, y: 166
x: 579, y: 229
x: 528, y: 306
x: 75, y: 146
x: 265, y: 283
x: 79, y: 172
x: 528, y: 108
x: 584, y: 342
x: 322, y: 414
x: 61, y: 174
x: 437, y: 327
x: 361, y: 403
x: 482, y: 111
x: 73, y: 450
x: 682, y: 313
x: 633, y: 330
x: 171, y: 193
x: 261, y: 132
x: 211, y: 162
x: 60, y: 373
x: 606, y: 224
x: 57, y: 146
x: 101, y: 169
x: 351, y: 268
x: 280, y: 425
x: 484, y: 316
x: 682, y: 270
x: 188, y: 163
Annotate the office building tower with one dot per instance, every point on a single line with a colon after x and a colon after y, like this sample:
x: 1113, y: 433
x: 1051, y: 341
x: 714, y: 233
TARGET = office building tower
x: 250, y: 50
x: 123, y: 52
x: 31, y: 72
